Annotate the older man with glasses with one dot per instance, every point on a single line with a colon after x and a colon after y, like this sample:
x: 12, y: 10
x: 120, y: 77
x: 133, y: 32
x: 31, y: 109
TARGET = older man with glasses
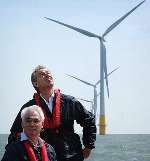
x: 30, y: 147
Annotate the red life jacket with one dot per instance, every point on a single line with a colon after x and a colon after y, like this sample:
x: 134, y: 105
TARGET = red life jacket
x: 31, y: 153
x: 54, y: 121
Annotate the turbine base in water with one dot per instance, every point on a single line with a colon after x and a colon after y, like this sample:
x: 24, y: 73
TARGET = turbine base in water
x: 102, y: 125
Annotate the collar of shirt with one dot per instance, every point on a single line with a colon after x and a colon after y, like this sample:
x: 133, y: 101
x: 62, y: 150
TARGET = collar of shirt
x: 25, y: 137
x: 49, y: 102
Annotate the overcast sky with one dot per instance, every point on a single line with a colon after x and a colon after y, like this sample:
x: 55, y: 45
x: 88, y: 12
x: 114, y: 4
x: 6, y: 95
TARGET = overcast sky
x: 27, y: 39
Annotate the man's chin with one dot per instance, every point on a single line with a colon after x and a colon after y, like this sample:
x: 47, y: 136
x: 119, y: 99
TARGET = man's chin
x: 34, y: 134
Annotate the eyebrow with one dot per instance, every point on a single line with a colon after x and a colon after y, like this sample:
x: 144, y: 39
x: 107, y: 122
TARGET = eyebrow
x: 31, y: 118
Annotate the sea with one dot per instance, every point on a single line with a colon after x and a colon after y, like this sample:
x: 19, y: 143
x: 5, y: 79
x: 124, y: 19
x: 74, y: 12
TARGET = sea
x: 112, y: 147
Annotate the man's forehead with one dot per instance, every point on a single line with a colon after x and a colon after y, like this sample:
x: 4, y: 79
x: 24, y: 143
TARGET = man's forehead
x: 32, y: 114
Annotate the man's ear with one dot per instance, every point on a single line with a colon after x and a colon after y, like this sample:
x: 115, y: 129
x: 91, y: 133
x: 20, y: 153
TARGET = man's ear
x: 42, y: 124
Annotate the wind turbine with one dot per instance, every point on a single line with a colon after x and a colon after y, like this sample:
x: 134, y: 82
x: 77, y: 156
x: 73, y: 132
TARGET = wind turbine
x: 95, y: 91
x: 103, y: 64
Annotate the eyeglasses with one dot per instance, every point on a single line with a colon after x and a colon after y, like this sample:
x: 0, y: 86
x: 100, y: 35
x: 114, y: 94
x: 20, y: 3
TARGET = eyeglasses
x: 32, y: 120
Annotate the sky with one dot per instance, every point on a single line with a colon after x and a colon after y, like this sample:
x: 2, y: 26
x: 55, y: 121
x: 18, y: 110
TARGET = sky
x: 27, y: 40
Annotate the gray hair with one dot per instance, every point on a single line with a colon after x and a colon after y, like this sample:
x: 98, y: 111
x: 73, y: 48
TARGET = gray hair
x: 34, y: 76
x: 32, y: 109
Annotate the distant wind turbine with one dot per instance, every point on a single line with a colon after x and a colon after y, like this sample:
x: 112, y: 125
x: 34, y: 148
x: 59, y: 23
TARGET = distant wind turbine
x: 103, y: 64
x: 95, y: 91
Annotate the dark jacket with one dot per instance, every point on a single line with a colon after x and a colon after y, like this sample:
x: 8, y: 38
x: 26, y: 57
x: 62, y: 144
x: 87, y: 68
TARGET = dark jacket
x: 17, y: 152
x: 65, y: 142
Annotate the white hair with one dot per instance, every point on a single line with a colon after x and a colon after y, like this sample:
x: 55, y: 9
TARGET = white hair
x: 32, y: 109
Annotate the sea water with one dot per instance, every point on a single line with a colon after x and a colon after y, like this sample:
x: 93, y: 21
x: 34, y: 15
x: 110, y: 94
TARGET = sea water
x: 116, y: 147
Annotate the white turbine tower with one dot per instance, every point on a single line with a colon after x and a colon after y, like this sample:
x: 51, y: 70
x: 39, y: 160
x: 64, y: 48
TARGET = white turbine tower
x: 95, y: 91
x: 103, y: 64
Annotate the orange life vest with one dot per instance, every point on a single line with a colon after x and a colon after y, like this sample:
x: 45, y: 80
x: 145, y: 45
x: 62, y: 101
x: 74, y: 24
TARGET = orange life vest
x: 31, y: 153
x: 54, y: 121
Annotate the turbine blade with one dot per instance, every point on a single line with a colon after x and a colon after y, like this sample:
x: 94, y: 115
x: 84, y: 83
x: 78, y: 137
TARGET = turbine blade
x: 120, y: 19
x: 97, y: 82
x: 84, y: 32
x: 105, y: 68
x: 112, y: 71
x: 81, y: 80
x: 84, y: 100
x: 107, y: 76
